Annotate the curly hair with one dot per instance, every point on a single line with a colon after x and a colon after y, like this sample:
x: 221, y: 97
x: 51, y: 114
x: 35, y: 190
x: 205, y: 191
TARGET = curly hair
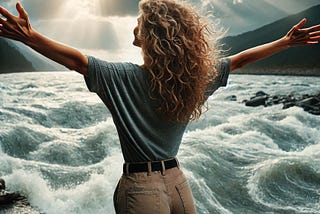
x: 179, y: 55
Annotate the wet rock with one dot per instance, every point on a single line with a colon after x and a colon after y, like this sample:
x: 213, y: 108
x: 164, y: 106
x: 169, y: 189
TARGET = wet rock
x: 13, y: 202
x: 258, y: 100
x: 231, y: 98
x: 8, y: 197
x: 261, y: 93
x: 288, y: 105
x: 2, y: 184
x: 309, y: 103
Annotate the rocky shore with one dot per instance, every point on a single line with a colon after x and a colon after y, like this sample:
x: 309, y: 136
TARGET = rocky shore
x: 13, y: 202
x: 309, y: 103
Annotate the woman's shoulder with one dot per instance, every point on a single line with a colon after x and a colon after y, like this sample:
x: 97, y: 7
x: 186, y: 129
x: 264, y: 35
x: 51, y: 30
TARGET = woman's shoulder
x: 117, y: 66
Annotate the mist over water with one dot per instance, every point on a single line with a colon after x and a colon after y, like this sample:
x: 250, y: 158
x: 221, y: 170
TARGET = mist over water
x: 59, y: 147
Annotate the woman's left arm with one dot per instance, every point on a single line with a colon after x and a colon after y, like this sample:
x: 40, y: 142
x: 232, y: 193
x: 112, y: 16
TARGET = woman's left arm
x: 19, y: 28
x: 295, y: 37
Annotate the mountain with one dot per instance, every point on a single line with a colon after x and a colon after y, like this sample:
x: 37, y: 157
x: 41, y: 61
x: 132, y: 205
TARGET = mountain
x: 297, y: 61
x: 11, y: 60
x: 240, y: 16
x: 39, y: 62
x: 16, y: 57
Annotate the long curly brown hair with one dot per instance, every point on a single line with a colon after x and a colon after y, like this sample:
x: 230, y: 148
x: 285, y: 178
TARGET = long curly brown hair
x: 179, y: 54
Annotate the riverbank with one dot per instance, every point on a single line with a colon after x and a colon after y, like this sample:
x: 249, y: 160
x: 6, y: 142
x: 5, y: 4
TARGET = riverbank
x: 279, y: 71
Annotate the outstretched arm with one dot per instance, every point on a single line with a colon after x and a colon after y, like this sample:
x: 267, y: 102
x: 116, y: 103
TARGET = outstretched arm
x: 19, y: 28
x: 296, y: 36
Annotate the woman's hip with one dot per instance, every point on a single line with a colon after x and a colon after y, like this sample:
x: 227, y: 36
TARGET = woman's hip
x: 163, y: 191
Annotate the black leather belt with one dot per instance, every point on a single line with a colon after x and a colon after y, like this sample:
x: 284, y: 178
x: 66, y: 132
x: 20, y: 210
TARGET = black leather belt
x: 155, y: 166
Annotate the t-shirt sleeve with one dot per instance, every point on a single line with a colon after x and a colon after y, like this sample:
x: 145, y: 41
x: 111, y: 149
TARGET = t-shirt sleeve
x: 221, y: 80
x: 105, y: 79
x: 109, y: 81
x: 103, y: 76
x: 94, y: 78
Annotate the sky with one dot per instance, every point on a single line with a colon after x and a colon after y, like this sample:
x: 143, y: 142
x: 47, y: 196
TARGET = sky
x: 104, y: 27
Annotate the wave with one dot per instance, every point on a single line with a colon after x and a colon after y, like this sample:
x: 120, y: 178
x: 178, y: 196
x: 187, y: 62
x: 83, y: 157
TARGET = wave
x: 27, y: 86
x: 74, y: 115
x: 63, y: 153
x: 53, y: 188
x: 45, y: 145
x: 287, y: 184
x: 78, y: 115
x: 226, y: 159
x: 21, y: 141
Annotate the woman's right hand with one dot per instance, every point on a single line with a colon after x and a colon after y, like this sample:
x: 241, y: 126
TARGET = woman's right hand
x: 15, y: 27
x: 303, y: 36
x: 296, y: 36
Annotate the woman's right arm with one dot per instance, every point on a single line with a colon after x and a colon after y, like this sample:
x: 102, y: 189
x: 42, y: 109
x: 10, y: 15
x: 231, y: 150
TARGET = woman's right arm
x: 19, y: 28
x: 296, y: 36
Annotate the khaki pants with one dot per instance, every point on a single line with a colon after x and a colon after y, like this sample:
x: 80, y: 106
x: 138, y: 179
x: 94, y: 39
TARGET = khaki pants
x: 154, y: 192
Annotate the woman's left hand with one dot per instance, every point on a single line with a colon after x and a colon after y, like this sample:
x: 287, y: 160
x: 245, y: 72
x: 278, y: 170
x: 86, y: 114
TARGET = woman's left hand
x: 303, y: 36
x: 15, y: 27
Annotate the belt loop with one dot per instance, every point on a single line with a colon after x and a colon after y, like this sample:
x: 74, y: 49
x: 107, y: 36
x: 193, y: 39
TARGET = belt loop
x: 127, y: 168
x: 149, y: 168
x: 163, y: 168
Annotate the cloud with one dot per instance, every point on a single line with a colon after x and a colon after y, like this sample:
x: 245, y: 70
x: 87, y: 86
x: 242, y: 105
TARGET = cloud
x: 237, y: 1
x: 85, y: 33
x: 37, y: 9
x: 59, y: 18
x: 119, y: 7
x: 4, y: 2
x: 110, y: 33
x: 53, y: 9
x: 86, y: 24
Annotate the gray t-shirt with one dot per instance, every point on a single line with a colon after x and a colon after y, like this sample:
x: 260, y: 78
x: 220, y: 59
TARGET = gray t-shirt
x: 145, y: 135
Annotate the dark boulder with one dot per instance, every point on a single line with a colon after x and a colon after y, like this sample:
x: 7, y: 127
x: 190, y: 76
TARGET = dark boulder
x: 309, y: 103
x: 231, y: 98
x: 258, y: 100
x: 8, y: 197
x: 13, y: 202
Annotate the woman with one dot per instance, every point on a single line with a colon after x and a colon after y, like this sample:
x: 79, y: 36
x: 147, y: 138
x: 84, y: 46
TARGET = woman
x: 152, y: 104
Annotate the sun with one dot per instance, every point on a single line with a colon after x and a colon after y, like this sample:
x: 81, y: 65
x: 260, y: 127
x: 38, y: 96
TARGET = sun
x: 82, y: 8
x: 88, y: 7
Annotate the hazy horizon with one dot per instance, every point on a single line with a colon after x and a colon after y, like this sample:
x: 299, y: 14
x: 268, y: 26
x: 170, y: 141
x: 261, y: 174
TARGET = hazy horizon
x: 104, y: 27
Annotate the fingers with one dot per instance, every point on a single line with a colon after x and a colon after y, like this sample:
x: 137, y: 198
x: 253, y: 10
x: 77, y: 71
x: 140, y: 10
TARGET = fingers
x: 317, y: 33
x: 3, y: 31
x: 2, y: 22
x: 3, y: 27
x: 301, y: 23
x: 315, y: 38
x: 297, y: 27
x: 4, y: 12
x: 310, y: 40
x: 313, y: 28
x: 312, y: 43
x: 302, y: 43
x: 22, y: 13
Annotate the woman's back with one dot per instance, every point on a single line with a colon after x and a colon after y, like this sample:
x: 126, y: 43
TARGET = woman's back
x: 144, y: 133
